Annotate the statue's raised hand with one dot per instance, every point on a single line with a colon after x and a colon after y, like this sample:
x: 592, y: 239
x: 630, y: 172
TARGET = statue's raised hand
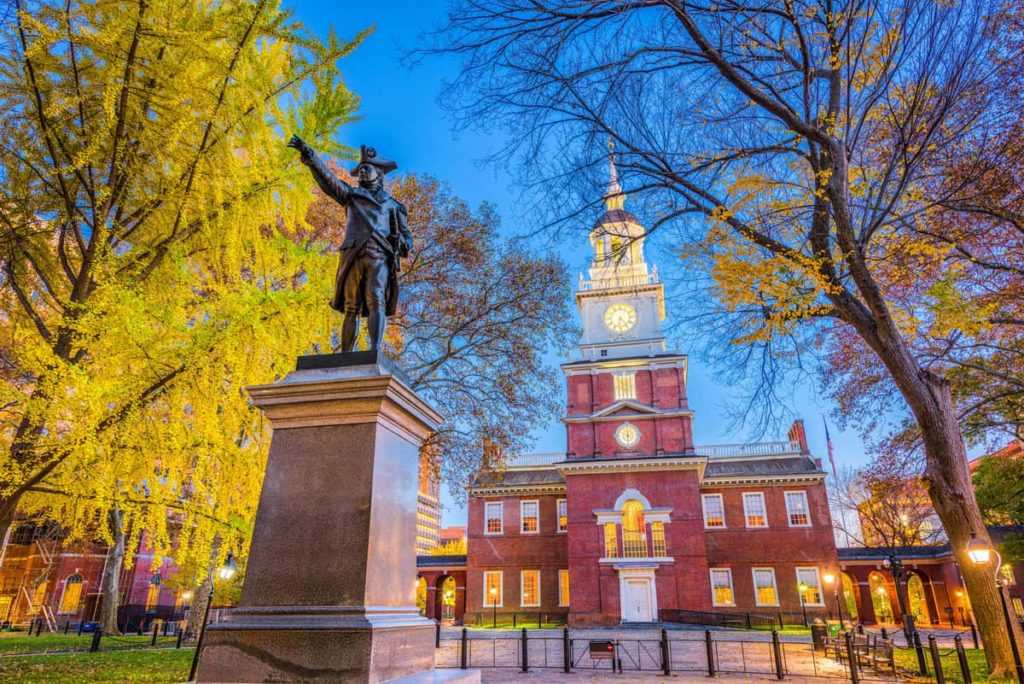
x: 298, y: 143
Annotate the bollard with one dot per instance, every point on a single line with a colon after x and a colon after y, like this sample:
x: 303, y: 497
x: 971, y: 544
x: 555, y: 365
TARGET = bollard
x: 666, y: 655
x: 141, y: 631
x: 965, y: 669
x: 566, y: 651
x: 617, y: 658
x: 67, y: 625
x: 95, y: 645
x: 526, y: 652
x: 777, y: 651
x: 885, y: 635
x: 974, y: 636
x: 540, y: 620
x: 181, y: 633
x: 463, y: 647
x: 851, y: 656
x: 81, y: 623
x: 437, y: 634
x: 940, y: 678
x: 514, y: 625
x: 749, y: 625
x: 781, y: 626
x: 156, y: 633
x: 710, y: 648
x: 922, y: 664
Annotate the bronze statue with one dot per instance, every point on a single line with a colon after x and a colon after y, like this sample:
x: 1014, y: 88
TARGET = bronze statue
x: 376, y: 237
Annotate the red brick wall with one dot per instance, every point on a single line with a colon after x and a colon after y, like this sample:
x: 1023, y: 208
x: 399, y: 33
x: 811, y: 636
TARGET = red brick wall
x: 512, y: 552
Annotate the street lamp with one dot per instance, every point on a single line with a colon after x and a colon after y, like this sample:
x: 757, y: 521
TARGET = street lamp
x: 226, y: 572
x: 895, y: 566
x: 980, y: 553
x: 802, y: 588
x: 829, y: 579
x: 494, y: 607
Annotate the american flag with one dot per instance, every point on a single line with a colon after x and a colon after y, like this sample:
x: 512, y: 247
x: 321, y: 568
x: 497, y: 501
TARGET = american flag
x: 831, y: 452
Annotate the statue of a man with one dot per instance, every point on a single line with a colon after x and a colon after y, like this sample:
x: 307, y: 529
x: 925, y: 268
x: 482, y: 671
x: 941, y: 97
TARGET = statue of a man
x: 376, y: 237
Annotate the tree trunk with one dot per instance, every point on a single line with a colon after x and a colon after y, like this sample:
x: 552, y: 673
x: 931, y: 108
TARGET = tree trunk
x: 110, y: 582
x: 202, y: 595
x: 952, y: 495
x: 6, y: 523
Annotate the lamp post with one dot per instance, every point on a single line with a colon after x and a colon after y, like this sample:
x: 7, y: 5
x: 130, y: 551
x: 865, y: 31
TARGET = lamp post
x: 829, y: 579
x: 980, y: 553
x: 226, y: 572
x: 494, y: 607
x: 895, y: 566
x: 802, y: 588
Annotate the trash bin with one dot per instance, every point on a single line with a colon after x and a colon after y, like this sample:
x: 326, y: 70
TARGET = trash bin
x: 819, y: 634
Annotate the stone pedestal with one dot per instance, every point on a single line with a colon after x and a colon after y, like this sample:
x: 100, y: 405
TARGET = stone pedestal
x: 330, y: 591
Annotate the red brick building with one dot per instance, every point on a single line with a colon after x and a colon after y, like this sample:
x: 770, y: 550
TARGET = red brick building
x: 633, y: 520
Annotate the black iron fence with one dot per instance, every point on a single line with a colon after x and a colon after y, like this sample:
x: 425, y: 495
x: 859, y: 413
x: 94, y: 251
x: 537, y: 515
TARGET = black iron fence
x: 80, y: 637
x: 764, y: 621
x: 515, y: 620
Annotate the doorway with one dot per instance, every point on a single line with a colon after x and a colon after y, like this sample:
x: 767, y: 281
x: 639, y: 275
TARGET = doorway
x: 638, y: 600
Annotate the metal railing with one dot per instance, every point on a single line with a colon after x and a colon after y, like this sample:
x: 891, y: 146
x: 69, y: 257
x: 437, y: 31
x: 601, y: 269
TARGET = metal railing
x: 748, y: 450
x: 532, y: 460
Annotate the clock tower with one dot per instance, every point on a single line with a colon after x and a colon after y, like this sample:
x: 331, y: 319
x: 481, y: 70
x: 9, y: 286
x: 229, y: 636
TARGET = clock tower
x: 627, y: 392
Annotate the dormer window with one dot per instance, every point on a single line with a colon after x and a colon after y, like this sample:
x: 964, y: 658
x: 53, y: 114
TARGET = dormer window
x: 625, y: 385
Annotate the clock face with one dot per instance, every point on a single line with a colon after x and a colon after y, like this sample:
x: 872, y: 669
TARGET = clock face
x: 619, y: 317
x: 627, y: 435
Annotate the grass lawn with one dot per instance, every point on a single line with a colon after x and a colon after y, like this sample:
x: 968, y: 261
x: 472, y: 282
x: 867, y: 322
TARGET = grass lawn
x: 906, y: 660
x: 151, y: 666
x: 18, y: 642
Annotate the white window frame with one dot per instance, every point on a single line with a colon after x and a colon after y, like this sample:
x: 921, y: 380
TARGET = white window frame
x: 522, y: 592
x: 501, y: 518
x: 821, y: 589
x: 563, y: 573
x: 704, y: 511
x: 746, y: 514
x: 775, y: 587
x: 807, y: 507
x: 559, y: 504
x: 522, y: 518
x: 732, y: 587
x: 501, y: 589
x: 624, y: 378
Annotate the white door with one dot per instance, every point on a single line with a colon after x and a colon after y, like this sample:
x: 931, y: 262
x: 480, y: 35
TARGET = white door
x: 638, y: 601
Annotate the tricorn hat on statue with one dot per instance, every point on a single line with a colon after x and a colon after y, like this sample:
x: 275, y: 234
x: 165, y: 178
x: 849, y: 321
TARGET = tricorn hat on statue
x: 368, y: 155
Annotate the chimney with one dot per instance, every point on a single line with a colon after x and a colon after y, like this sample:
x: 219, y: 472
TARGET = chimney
x: 797, y: 434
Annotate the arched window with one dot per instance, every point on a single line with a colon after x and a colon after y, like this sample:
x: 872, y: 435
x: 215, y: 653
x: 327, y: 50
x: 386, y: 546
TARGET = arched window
x: 72, y: 595
x: 634, y: 530
x: 153, y: 591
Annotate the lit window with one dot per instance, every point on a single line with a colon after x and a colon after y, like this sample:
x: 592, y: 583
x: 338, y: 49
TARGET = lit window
x: 753, y: 509
x: 529, y: 522
x: 72, y: 595
x: 611, y: 543
x: 798, y: 512
x: 493, y: 522
x: 809, y: 586
x: 529, y: 584
x: 721, y: 587
x: 152, y: 596
x: 1018, y: 607
x: 563, y: 516
x: 765, y: 591
x: 492, y: 588
x: 563, y: 587
x: 1007, y: 572
x: 625, y: 386
x: 714, y: 510
x: 634, y: 530
x: 658, y: 539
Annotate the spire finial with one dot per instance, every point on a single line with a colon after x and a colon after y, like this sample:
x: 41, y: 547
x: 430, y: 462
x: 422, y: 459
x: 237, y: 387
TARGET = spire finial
x: 613, y: 196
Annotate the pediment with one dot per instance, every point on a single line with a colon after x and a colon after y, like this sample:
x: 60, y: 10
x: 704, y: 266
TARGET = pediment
x: 625, y: 407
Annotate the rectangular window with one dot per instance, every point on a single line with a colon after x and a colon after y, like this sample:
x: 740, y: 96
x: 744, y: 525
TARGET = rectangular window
x: 529, y: 588
x: 721, y: 587
x: 714, y: 510
x: 625, y: 386
x: 72, y: 595
x: 765, y: 591
x: 753, y: 509
x: 563, y: 516
x: 563, y: 587
x: 809, y: 586
x: 611, y: 542
x: 797, y: 510
x: 529, y: 517
x: 493, y: 589
x: 1018, y: 607
x: 152, y: 596
x: 493, y: 519
x: 658, y: 539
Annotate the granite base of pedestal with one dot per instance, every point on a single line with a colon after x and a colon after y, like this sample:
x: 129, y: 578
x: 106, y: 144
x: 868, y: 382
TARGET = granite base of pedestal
x: 304, y: 649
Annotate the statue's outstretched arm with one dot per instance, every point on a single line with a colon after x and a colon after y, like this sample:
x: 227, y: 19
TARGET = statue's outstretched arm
x: 325, y: 178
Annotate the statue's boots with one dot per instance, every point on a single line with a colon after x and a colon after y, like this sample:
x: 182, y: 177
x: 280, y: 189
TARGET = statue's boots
x: 375, y: 332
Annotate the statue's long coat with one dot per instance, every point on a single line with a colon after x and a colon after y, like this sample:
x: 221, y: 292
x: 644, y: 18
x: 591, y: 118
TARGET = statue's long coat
x: 371, y: 216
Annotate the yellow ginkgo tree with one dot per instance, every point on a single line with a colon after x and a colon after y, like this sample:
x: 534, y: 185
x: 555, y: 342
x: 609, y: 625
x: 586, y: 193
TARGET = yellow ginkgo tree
x: 148, y: 269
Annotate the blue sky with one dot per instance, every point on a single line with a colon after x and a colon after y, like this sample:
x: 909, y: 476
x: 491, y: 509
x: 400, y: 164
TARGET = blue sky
x: 403, y: 120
